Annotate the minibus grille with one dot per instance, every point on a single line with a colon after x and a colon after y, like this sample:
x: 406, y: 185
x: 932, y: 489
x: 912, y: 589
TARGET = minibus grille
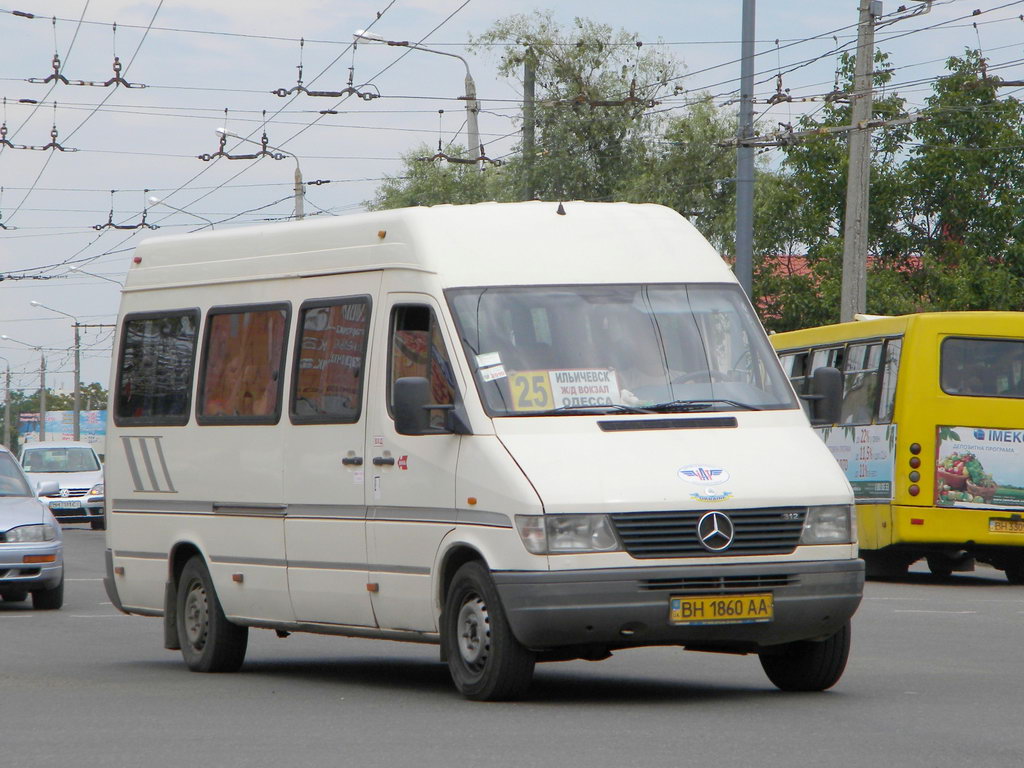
x: 774, y: 531
x: 704, y: 584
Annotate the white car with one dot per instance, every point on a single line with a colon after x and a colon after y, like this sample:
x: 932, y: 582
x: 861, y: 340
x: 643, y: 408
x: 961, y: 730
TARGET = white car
x: 77, y: 470
x: 31, y: 547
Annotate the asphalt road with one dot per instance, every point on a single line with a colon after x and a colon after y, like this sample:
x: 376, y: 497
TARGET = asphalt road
x: 935, y: 679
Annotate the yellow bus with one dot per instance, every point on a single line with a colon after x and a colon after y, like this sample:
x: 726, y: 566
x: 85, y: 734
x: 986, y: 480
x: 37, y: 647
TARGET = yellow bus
x: 930, y: 433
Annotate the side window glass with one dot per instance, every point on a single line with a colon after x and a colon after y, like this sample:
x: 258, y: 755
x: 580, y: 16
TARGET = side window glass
x: 417, y: 349
x: 242, y: 362
x: 860, y: 383
x: 795, y: 366
x: 154, y: 372
x: 890, y: 369
x: 330, y: 361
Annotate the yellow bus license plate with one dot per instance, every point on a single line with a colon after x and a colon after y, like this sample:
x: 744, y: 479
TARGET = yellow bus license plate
x: 1000, y: 525
x: 721, y: 609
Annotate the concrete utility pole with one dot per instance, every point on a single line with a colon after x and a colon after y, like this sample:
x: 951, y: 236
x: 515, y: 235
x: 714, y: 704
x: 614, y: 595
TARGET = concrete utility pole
x: 529, y: 121
x: 853, y: 298
x: 42, y: 396
x: 744, y: 268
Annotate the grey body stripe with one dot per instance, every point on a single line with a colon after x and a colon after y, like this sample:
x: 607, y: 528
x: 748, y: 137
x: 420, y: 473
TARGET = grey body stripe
x: 320, y: 511
x: 154, y: 481
x: 324, y: 565
x: 140, y: 555
x: 228, y: 560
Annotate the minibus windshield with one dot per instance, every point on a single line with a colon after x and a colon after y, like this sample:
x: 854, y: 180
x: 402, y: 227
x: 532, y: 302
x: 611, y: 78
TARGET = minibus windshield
x: 586, y: 349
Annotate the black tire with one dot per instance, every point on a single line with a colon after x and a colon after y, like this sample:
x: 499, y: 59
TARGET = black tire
x: 885, y: 565
x: 98, y: 524
x: 1015, y: 571
x: 940, y: 565
x: 209, y: 642
x: 49, y: 599
x: 808, y: 665
x: 14, y: 597
x: 485, y: 660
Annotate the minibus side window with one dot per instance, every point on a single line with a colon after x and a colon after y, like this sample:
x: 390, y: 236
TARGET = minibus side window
x: 243, y: 357
x: 982, y: 367
x: 154, y: 372
x: 890, y: 369
x: 860, y: 383
x: 330, y: 361
x: 417, y: 349
x: 795, y: 366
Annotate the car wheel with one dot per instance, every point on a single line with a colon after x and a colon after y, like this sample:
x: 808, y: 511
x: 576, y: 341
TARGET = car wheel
x: 940, y: 565
x: 209, y: 642
x: 98, y: 525
x: 808, y: 665
x: 49, y: 599
x: 1014, y: 571
x: 485, y: 660
x: 14, y: 597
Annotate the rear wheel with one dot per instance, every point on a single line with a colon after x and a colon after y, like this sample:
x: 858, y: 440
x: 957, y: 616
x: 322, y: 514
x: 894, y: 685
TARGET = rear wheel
x: 98, y: 524
x: 486, y: 661
x: 885, y: 565
x: 49, y: 599
x: 940, y: 565
x: 1014, y: 571
x: 808, y: 665
x: 209, y: 642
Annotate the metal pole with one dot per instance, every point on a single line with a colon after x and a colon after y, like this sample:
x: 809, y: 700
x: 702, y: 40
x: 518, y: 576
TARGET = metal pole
x: 7, y: 410
x: 744, y: 267
x: 42, y: 396
x: 853, y: 297
x: 76, y: 428
x: 529, y: 121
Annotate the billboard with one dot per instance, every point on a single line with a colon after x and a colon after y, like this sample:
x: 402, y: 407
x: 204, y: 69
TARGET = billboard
x: 60, y: 426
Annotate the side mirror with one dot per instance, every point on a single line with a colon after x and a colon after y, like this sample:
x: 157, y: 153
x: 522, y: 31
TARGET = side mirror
x: 826, y: 397
x: 47, y: 488
x: 412, y: 410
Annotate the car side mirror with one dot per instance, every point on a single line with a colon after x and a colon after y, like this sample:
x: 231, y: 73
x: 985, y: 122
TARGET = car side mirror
x: 826, y: 396
x: 412, y: 409
x: 47, y: 488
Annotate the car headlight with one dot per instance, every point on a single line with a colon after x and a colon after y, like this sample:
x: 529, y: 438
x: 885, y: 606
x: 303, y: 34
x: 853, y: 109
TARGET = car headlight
x: 28, y: 533
x: 96, y: 490
x: 567, y: 534
x: 832, y: 524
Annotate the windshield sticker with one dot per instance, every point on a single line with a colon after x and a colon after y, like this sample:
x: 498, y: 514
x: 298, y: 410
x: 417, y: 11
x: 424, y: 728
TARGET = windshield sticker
x: 710, y: 495
x: 487, y: 359
x: 979, y: 467
x: 545, y: 390
x: 493, y: 373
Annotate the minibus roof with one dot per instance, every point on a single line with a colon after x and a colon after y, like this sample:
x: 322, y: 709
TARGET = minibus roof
x: 465, y: 245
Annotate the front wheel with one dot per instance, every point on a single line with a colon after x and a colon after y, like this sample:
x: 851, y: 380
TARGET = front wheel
x: 1015, y: 571
x: 485, y: 660
x: 49, y: 599
x: 209, y: 642
x: 98, y: 524
x: 808, y: 665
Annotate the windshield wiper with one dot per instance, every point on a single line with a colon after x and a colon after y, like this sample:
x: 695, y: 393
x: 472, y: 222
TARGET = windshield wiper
x: 568, y: 409
x: 699, y: 404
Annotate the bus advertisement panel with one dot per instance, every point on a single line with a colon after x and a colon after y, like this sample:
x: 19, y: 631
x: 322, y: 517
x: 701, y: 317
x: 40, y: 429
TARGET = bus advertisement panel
x: 978, y: 467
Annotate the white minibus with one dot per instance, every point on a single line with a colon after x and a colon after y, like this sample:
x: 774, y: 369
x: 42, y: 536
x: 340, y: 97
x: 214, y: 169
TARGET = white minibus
x: 523, y: 432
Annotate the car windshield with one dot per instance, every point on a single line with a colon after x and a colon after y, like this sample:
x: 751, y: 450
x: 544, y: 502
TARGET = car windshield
x: 566, y: 350
x: 12, y: 481
x: 60, y: 460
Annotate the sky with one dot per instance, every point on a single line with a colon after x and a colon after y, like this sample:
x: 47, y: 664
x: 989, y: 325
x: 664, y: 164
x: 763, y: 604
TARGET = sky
x: 184, y: 62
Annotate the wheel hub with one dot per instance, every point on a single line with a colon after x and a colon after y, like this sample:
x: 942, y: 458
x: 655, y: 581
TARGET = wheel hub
x: 196, y: 616
x: 474, y: 632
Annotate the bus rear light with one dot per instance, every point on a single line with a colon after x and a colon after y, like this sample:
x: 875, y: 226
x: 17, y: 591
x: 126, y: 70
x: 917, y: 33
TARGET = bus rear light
x: 915, y: 462
x: 914, y: 476
x: 913, y: 490
x: 915, y: 448
x: 916, y: 521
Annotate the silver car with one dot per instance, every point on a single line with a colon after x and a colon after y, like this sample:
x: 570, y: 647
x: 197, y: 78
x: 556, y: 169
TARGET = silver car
x: 31, y: 545
x: 79, y: 475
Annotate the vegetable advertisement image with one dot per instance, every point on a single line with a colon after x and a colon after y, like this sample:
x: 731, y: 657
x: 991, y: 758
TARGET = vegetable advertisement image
x: 979, y: 467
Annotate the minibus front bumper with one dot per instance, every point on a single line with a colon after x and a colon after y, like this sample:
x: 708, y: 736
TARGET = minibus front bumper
x: 629, y: 607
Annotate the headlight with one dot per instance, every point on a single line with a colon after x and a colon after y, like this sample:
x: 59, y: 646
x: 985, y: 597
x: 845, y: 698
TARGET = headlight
x: 833, y: 524
x: 567, y: 534
x: 27, y: 533
x: 96, y: 490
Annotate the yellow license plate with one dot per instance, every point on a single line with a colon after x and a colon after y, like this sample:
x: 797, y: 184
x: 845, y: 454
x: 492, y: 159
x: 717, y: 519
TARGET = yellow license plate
x: 721, y: 609
x: 1000, y: 525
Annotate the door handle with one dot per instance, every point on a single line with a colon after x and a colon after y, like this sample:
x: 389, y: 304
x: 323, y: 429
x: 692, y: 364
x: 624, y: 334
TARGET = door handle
x: 381, y: 460
x: 352, y: 461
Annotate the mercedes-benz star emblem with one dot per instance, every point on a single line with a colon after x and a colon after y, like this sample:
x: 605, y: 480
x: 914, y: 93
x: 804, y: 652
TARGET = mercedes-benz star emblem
x: 715, y: 531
